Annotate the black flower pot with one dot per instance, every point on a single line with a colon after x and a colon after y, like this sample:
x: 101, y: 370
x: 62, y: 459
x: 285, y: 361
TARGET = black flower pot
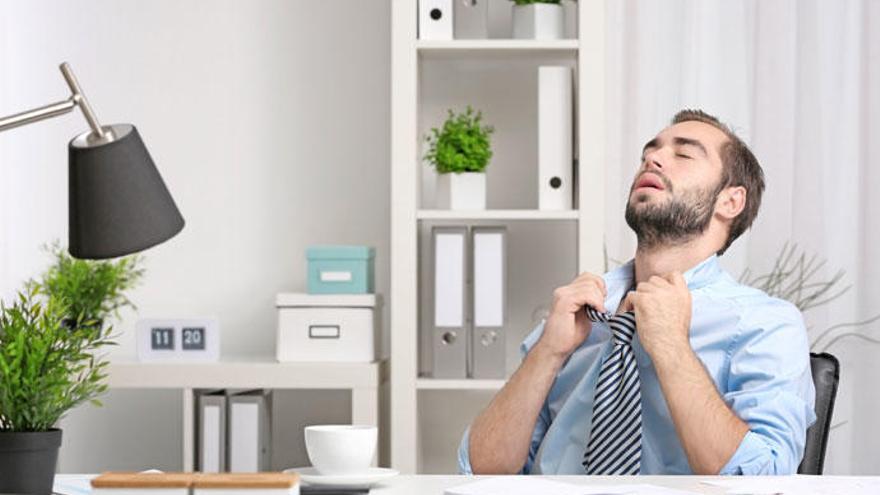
x: 70, y: 324
x: 27, y: 461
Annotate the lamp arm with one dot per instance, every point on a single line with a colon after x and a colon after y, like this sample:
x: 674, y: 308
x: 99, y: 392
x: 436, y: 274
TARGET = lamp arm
x: 77, y: 98
x: 37, y: 114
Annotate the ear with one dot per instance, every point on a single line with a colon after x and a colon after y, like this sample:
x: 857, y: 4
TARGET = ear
x: 731, y: 202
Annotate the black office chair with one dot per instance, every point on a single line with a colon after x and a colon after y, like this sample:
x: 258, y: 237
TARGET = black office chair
x: 826, y: 374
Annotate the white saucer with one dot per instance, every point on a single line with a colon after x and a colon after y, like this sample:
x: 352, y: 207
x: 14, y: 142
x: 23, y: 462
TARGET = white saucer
x: 365, y: 478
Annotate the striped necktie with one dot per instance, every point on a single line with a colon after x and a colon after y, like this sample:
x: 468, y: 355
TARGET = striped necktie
x: 615, y: 443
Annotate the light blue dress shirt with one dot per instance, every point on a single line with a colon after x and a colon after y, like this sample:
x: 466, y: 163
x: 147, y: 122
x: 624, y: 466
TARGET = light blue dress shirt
x: 754, y: 348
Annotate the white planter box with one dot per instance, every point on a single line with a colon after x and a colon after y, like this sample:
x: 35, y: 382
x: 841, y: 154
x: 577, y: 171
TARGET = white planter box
x: 539, y: 21
x: 464, y: 191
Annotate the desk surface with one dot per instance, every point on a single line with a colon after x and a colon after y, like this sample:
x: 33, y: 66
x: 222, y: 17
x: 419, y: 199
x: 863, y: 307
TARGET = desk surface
x: 435, y: 484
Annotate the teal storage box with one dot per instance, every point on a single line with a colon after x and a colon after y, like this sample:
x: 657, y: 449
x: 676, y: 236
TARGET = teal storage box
x: 340, y: 269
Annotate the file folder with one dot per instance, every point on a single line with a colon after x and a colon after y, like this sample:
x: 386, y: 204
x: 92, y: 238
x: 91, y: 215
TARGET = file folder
x: 449, y: 332
x: 487, y: 340
x: 211, y: 432
x: 250, y: 434
x: 555, y: 138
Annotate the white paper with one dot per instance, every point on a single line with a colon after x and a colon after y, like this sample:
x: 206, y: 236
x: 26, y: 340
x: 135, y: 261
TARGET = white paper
x: 515, y: 485
x: 73, y: 484
x: 531, y: 485
x: 799, y: 485
x: 640, y: 489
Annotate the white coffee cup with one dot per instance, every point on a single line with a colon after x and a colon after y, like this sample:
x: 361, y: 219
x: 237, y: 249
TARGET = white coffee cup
x: 341, y: 449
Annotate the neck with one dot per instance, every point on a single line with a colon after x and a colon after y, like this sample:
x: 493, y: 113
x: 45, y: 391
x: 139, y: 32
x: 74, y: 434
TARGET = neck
x: 660, y: 260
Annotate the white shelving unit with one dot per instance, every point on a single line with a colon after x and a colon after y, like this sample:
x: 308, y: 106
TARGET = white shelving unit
x: 364, y: 380
x: 496, y: 215
x: 409, y: 59
x: 441, y: 384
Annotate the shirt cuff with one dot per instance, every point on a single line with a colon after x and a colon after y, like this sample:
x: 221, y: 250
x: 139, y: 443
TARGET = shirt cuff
x: 464, y: 461
x: 753, y: 457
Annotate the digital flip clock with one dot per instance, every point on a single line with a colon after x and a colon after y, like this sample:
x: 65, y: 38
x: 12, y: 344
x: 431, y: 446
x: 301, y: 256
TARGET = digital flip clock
x: 193, y: 339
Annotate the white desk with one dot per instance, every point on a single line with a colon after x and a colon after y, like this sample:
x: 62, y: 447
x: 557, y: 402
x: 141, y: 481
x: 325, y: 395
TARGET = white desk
x: 434, y: 485
x: 363, y: 379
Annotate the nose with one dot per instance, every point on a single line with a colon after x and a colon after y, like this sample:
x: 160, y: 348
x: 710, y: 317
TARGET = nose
x: 653, y: 160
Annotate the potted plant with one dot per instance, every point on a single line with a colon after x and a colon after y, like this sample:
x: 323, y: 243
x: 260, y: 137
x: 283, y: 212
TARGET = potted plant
x: 46, y: 369
x: 460, y: 152
x: 538, y: 19
x: 90, y: 290
x: 48, y: 363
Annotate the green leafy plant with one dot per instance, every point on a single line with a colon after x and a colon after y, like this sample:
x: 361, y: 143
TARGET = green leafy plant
x: 794, y: 277
x: 462, y: 145
x: 46, y: 368
x: 89, y: 290
x: 529, y: 2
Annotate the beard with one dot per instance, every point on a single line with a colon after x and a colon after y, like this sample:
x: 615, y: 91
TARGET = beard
x: 674, y: 221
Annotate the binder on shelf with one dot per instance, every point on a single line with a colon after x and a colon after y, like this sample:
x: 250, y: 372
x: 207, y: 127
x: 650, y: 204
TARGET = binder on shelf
x: 211, y: 432
x: 250, y: 434
x: 555, y: 138
x: 487, y: 340
x: 449, y: 329
x: 435, y: 19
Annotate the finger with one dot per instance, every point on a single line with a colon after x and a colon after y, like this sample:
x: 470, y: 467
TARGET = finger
x: 583, y: 294
x: 628, y: 303
x: 659, y: 281
x: 676, y: 278
x: 590, y: 282
x: 647, y: 287
x: 581, y: 320
x: 589, y: 276
x: 565, y: 299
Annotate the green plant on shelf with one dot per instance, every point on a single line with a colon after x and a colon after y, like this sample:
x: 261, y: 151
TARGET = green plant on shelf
x: 462, y: 145
x: 90, y: 290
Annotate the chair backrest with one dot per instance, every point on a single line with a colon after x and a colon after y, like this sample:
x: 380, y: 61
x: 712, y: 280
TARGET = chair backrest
x: 826, y: 374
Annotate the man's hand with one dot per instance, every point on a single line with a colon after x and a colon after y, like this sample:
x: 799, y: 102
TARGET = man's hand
x: 663, y: 314
x: 568, y: 326
x: 709, y: 431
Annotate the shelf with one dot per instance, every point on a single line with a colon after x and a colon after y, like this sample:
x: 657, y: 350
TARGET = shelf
x: 458, y: 49
x: 463, y: 384
x: 244, y: 373
x: 497, y: 215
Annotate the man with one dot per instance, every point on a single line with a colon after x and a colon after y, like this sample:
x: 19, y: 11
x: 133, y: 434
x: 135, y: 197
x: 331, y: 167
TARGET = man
x: 665, y: 365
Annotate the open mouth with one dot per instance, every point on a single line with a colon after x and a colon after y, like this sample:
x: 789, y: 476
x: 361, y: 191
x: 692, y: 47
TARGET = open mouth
x: 649, y: 180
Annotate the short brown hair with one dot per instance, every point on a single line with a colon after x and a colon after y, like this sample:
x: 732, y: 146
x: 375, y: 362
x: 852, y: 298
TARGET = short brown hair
x: 739, y: 168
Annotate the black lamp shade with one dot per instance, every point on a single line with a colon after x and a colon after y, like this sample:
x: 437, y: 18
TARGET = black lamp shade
x: 118, y: 202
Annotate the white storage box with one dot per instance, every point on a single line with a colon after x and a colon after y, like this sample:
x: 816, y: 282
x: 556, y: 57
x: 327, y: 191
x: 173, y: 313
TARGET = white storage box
x: 327, y: 327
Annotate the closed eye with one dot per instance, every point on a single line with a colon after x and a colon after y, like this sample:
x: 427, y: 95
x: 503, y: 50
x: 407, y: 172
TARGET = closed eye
x: 681, y: 155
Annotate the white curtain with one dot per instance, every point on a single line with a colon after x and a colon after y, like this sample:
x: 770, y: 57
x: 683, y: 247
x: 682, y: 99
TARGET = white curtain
x: 800, y: 82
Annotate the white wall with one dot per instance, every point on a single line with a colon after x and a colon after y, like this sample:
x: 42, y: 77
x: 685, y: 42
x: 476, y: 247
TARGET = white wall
x: 269, y: 123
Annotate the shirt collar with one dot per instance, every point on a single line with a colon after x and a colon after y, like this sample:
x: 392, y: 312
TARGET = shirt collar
x: 697, y: 276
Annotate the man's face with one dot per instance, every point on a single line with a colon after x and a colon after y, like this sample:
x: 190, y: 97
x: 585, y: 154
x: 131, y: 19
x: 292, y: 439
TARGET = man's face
x: 673, y: 194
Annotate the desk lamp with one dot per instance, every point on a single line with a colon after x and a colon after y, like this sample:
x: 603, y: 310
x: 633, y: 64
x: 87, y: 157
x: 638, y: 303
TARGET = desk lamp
x: 118, y: 203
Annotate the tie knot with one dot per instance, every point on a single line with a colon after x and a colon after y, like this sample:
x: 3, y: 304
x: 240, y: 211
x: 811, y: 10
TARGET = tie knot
x: 623, y: 325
